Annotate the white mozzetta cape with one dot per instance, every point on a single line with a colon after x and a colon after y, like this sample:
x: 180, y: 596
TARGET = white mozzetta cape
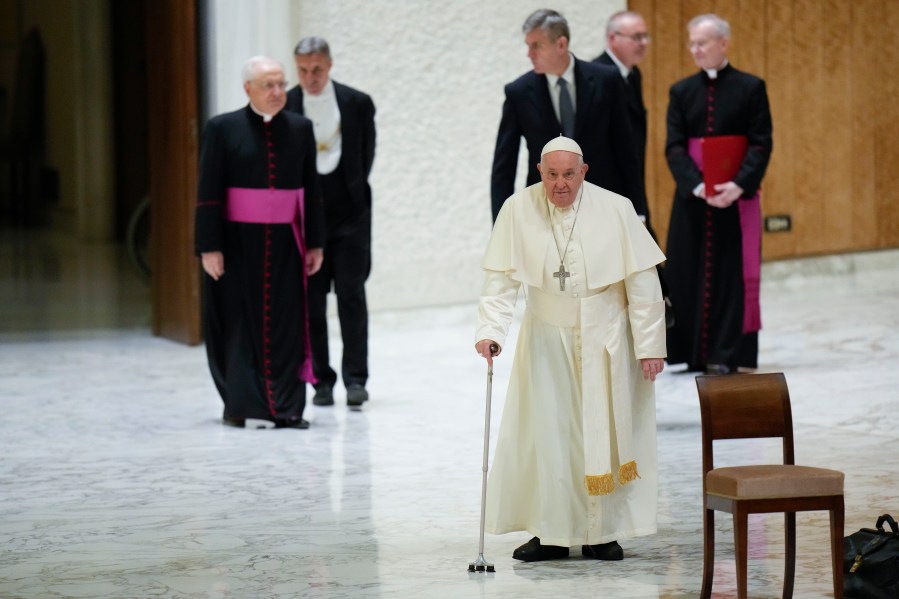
x: 615, y: 235
x: 621, y: 321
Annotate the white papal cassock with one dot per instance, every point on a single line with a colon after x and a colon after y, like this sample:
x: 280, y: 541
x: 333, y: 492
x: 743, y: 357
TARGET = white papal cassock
x: 575, y: 461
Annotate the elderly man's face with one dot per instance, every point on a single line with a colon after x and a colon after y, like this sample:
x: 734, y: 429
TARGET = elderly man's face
x: 629, y: 40
x: 562, y: 174
x: 708, y: 48
x: 268, y: 89
x: 313, y: 70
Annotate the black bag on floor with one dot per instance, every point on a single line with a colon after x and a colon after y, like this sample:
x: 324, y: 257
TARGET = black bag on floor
x: 871, y: 562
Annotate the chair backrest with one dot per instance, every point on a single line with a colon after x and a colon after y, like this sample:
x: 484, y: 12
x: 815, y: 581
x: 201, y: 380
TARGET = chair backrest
x: 744, y: 406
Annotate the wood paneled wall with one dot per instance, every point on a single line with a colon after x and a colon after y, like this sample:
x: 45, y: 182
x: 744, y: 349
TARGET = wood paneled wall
x: 173, y: 141
x: 832, y: 71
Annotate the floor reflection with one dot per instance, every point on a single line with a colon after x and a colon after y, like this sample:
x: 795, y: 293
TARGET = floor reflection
x: 118, y: 481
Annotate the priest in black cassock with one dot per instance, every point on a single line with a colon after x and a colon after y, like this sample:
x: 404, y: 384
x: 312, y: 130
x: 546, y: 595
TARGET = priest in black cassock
x: 714, y: 240
x: 259, y: 232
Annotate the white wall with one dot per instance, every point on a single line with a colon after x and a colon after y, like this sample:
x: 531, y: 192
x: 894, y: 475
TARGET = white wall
x: 436, y: 72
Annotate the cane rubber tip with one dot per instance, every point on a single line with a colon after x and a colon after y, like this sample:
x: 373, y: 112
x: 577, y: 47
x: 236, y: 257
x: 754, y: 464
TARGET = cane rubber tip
x: 490, y: 569
x: 471, y: 567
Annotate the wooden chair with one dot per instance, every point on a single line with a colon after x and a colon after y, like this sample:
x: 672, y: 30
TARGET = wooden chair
x: 745, y: 406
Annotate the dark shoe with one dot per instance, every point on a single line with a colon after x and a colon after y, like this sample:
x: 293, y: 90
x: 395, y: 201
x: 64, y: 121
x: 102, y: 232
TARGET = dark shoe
x: 324, y: 396
x: 533, y: 551
x: 235, y: 422
x: 715, y: 369
x: 606, y: 551
x: 291, y: 423
x: 356, y: 395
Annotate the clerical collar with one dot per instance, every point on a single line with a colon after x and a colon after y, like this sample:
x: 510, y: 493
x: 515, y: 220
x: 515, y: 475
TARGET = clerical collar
x: 265, y: 117
x: 621, y: 68
x: 713, y: 73
x: 568, y: 75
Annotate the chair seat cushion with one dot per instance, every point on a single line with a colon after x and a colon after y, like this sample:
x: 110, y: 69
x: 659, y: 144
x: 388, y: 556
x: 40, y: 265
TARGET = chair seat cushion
x: 772, y: 481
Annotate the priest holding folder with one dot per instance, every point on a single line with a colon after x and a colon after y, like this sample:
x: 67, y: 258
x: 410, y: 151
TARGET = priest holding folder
x: 718, y: 147
x: 259, y: 232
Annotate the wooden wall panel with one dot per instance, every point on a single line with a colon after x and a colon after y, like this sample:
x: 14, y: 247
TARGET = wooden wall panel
x: 172, y: 76
x: 836, y: 172
x: 886, y: 115
x: 811, y: 124
x: 863, y: 97
x: 833, y: 80
x: 779, y: 186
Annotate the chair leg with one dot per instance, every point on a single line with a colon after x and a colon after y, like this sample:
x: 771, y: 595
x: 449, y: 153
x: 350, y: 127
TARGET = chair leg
x: 789, y: 553
x: 708, y: 553
x: 741, y: 553
x: 836, y: 547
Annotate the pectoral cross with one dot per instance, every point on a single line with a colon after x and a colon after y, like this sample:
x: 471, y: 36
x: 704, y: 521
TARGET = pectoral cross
x: 561, y: 274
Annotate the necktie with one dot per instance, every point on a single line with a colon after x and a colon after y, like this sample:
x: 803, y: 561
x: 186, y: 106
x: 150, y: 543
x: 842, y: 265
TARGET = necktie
x: 566, y: 110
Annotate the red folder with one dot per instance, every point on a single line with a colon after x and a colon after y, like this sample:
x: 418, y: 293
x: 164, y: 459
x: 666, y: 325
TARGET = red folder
x: 722, y: 156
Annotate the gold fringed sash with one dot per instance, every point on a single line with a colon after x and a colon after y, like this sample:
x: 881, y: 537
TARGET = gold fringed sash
x: 599, y: 484
x: 604, y: 484
x: 628, y: 473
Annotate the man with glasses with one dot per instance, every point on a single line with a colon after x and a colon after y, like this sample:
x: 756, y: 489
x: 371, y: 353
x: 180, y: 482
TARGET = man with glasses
x: 259, y: 233
x: 627, y: 39
x: 575, y: 461
x: 714, y: 239
x: 565, y: 95
x: 626, y: 43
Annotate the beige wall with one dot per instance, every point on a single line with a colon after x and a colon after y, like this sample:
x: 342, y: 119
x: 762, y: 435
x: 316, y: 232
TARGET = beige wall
x: 436, y: 72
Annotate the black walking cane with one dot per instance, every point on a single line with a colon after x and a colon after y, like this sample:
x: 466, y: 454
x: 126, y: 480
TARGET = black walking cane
x: 480, y: 564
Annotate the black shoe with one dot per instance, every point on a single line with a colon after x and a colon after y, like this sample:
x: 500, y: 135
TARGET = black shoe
x: 324, y: 395
x: 606, y: 551
x: 235, y: 422
x: 291, y: 423
x: 715, y: 369
x: 533, y: 551
x: 356, y: 395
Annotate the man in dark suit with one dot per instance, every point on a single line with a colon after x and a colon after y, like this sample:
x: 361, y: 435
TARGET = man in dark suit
x: 626, y: 41
x: 344, y: 124
x: 589, y: 106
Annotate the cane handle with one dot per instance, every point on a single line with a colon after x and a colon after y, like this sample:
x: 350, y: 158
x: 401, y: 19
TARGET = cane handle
x: 494, y: 349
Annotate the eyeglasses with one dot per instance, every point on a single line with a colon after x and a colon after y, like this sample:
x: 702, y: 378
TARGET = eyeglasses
x: 269, y: 86
x: 637, y: 37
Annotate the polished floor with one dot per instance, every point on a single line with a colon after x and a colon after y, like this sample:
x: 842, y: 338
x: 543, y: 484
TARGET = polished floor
x: 117, y: 479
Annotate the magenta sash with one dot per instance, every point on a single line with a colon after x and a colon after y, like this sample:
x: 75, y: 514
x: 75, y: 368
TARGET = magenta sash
x: 277, y: 206
x: 751, y: 232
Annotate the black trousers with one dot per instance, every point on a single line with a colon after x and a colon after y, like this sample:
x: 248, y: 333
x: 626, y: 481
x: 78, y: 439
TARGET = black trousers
x: 346, y: 266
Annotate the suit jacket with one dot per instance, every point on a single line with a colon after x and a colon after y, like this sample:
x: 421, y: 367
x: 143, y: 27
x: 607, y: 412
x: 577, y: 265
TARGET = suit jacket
x: 636, y: 110
x: 357, y: 130
x: 602, y: 129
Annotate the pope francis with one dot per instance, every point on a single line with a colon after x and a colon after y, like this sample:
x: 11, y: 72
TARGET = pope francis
x: 575, y: 462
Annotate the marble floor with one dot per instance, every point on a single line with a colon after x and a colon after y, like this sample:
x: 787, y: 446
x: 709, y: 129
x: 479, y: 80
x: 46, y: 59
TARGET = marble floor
x: 117, y: 479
